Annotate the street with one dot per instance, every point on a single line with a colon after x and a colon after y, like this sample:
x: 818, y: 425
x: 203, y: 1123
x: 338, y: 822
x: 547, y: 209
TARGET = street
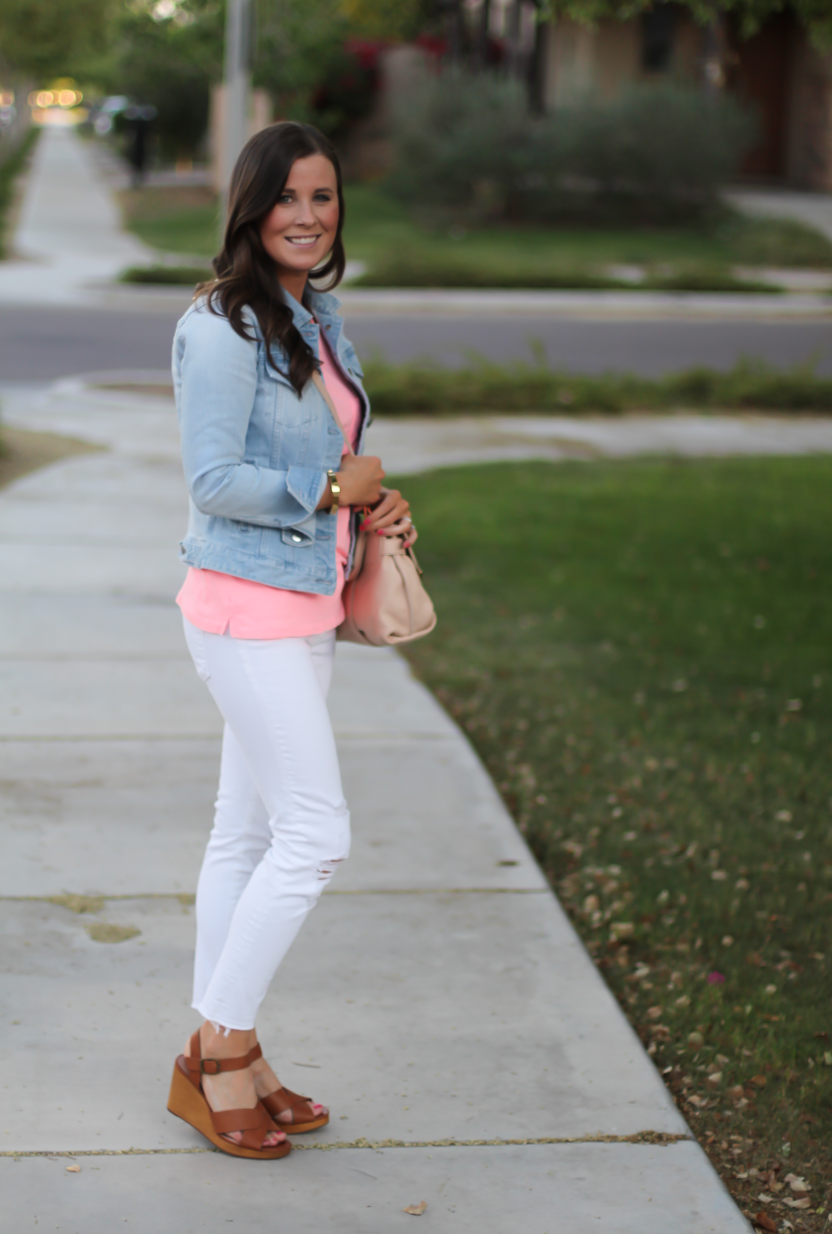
x: 42, y: 343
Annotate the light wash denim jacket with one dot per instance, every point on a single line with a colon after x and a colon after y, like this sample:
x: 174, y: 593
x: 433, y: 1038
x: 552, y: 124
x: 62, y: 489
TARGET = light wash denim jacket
x: 255, y: 455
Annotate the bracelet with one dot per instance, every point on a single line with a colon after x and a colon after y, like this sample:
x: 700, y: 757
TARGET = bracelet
x: 335, y: 489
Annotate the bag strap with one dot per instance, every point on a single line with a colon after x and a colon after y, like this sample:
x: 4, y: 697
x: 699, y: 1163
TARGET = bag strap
x: 324, y: 393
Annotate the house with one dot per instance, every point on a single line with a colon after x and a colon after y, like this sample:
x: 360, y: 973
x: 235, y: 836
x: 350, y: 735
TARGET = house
x: 777, y: 72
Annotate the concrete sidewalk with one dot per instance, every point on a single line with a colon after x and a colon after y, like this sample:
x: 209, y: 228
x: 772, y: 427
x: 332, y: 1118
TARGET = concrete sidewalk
x: 69, y: 234
x: 437, y: 999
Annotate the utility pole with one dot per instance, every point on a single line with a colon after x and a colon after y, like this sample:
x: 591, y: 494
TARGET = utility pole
x: 238, y: 55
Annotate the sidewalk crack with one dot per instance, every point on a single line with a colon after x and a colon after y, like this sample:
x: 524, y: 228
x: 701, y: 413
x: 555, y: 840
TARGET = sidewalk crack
x: 657, y: 1139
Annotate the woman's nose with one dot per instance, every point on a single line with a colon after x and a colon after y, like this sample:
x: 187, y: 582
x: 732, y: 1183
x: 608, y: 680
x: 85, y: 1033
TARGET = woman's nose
x: 304, y: 215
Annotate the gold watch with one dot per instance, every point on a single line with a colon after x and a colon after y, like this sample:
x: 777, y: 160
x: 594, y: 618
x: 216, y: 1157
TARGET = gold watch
x: 335, y: 489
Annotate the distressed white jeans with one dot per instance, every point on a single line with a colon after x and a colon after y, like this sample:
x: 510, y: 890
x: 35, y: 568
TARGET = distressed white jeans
x: 281, y: 824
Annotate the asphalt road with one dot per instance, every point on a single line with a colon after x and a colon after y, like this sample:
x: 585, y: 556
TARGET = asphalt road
x: 44, y: 343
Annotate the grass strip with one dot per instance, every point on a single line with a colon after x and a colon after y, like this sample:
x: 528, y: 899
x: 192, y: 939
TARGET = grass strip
x: 431, y: 274
x: 10, y: 168
x: 641, y: 653
x: 22, y: 451
x: 415, y: 267
x: 480, y: 386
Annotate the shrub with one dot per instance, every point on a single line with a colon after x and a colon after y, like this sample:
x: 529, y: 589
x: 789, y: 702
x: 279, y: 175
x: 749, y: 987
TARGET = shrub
x: 486, y: 387
x: 461, y: 142
x: 12, y: 163
x: 659, y: 153
x: 170, y: 276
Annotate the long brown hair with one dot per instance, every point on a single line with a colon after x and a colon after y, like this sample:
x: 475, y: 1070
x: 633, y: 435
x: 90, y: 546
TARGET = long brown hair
x: 245, y: 273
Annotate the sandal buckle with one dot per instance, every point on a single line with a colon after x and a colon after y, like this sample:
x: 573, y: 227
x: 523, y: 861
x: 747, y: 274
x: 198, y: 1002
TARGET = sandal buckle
x: 215, y: 1063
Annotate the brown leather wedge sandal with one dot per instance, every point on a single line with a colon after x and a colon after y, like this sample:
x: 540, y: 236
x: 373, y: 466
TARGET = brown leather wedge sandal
x: 304, y: 1117
x: 187, y: 1101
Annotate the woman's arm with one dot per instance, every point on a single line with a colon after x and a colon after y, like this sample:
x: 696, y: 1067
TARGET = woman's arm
x: 218, y: 375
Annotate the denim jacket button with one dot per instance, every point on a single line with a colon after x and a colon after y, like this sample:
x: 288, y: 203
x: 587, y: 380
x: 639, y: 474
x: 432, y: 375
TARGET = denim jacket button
x: 296, y: 539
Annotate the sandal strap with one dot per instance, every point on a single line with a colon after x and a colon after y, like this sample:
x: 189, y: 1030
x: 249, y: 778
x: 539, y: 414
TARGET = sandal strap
x: 283, y: 1099
x: 215, y: 1066
x: 254, y: 1125
x: 211, y: 1066
x: 241, y: 1120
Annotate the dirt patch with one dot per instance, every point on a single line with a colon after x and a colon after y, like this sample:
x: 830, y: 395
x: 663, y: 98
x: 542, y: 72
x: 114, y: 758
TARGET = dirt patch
x: 22, y: 451
x: 155, y: 389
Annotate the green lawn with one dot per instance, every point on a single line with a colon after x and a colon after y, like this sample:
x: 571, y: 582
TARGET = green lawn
x: 381, y: 232
x: 641, y: 652
x: 175, y: 220
x: 378, y: 226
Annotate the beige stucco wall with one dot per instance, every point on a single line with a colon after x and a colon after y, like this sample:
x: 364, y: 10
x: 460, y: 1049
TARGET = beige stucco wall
x: 601, y: 60
x: 571, y: 66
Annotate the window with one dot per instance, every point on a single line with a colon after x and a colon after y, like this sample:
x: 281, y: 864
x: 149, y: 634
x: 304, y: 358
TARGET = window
x: 658, y: 33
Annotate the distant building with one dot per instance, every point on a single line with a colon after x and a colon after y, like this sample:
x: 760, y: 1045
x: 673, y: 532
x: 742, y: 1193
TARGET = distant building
x: 777, y: 72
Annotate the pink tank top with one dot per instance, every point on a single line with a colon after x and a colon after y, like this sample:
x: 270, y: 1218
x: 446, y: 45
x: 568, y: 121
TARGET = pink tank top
x: 218, y: 603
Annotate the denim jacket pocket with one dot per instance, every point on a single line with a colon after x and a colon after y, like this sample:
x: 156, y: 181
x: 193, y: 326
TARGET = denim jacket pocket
x: 298, y: 537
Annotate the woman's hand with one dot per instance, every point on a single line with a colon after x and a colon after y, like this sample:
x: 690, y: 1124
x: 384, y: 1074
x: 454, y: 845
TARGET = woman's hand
x: 391, y: 517
x: 360, y: 477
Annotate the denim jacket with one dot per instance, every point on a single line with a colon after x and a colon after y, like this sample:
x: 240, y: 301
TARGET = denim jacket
x: 255, y: 454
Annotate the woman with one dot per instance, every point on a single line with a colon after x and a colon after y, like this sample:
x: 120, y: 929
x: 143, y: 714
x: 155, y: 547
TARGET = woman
x: 272, y: 527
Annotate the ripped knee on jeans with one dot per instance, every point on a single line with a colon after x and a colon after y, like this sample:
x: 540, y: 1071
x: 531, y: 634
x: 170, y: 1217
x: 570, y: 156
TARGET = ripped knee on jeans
x: 326, y: 869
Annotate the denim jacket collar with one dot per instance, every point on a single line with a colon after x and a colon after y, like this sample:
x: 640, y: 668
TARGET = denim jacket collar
x: 320, y: 307
x: 325, y: 309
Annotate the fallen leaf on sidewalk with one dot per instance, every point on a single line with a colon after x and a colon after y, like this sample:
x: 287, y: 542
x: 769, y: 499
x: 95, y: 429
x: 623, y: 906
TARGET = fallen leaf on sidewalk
x: 73, y: 1169
x: 108, y: 932
x: 416, y: 1210
x: 765, y: 1222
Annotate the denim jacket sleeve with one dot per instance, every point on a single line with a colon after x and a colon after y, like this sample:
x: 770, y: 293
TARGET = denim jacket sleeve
x: 217, y: 380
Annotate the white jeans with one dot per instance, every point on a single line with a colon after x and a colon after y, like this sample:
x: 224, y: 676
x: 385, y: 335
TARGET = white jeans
x: 281, y: 824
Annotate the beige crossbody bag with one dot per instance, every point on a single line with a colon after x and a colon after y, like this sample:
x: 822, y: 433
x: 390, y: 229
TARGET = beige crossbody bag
x: 385, y: 602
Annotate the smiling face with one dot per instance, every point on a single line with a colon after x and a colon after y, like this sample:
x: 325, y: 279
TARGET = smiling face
x: 299, y: 231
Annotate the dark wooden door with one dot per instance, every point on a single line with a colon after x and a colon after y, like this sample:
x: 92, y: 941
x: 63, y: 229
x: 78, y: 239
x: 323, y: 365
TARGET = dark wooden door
x: 759, y: 73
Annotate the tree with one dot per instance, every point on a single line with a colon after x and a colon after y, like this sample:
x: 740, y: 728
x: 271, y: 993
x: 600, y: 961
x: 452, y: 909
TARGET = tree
x: 816, y: 15
x: 44, y: 39
x: 313, y: 56
x: 167, y: 53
